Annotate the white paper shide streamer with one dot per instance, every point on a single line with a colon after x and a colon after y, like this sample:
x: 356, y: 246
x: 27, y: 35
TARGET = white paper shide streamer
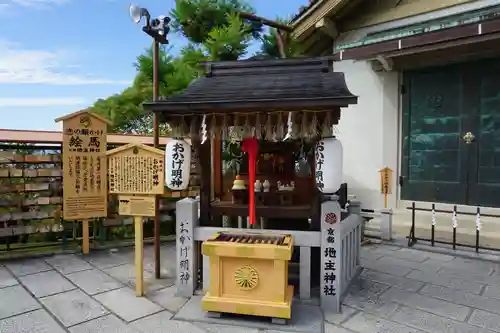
x: 433, y: 217
x: 289, y: 127
x: 204, y: 135
x: 478, y: 222
x: 454, y: 219
x: 177, y: 164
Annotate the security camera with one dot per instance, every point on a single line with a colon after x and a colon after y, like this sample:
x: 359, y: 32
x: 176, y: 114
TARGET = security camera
x: 160, y: 25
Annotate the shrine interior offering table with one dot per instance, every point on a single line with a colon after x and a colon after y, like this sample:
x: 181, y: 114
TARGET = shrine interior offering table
x: 249, y: 274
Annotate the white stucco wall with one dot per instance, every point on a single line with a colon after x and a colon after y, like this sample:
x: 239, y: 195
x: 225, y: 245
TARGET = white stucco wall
x: 369, y: 131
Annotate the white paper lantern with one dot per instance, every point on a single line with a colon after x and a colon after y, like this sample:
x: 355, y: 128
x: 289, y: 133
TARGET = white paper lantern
x: 329, y: 165
x: 177, y: 164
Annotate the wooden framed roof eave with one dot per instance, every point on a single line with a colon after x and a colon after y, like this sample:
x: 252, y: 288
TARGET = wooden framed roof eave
x: 178, y: 109
x: 305, y: 23
x: 464, y: 34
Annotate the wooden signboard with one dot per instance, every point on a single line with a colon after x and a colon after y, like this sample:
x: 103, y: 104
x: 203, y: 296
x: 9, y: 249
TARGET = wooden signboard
x: 85, y: 193
x: 137, y: 173
x: 385, y: 183
x: 136, y: 169
x: 136, y: 205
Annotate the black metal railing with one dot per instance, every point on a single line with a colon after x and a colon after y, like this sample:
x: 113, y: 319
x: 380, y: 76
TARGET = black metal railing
x: 412, y: 239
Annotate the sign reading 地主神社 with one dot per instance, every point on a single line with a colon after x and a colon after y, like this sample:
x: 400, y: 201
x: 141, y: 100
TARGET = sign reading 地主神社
x: 330, y: 248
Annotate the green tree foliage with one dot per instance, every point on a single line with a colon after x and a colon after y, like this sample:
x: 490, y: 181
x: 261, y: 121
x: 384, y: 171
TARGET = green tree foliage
x: 270, y: 47
x: 215, y: 32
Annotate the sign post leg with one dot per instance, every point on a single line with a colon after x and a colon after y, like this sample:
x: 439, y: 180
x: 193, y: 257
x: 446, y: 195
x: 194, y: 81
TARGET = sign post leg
x: 385, y: 200
x: 85, y: 237
x: 139, y: 256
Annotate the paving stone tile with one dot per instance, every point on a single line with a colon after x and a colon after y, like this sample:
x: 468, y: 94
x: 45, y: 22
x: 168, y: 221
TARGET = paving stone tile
x: 167, y: 299
x: 364, y: 295
x: 463, y: 298
x: 106, y: 324
x: 431, y: 323
x: 363, y: 286
x: 446, y: 281
x: 472, y: 265
x: 46, y: 283
x: 94, y: 281
x: 73, y: 307
x: 68, y: 263
x: 38, y: 321
x: 392, y: 280
x: 385, y: 267
x: 126, y: 305
x: 492, y: 291
x: 305, y: 318
x: 379, y: 248
x: 108, y: 259
x: 214, y: 328
x: 409, y: 254
x: 6, y: 279
x: 439, y: 307
x: 330, y: 328
x: 441, y: 257
x: 367, y: 323
x: 428, y: 266
x: 472, y: 275
x: 338, y: 318
x: 28, y: 266
x: 126, y: 275
x: 16, y: 300
x: 485, y: 319
x: 161, y: 323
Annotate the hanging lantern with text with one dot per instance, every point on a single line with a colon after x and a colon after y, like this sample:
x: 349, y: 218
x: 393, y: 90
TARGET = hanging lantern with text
x: 329, y: 165
x: 177, y: 164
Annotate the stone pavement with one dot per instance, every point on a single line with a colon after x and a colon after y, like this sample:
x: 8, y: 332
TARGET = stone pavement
x: 401, y: 290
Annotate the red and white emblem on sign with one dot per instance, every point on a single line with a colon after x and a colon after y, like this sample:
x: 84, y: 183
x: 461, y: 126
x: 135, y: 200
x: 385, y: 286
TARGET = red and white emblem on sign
x: 331, y: 218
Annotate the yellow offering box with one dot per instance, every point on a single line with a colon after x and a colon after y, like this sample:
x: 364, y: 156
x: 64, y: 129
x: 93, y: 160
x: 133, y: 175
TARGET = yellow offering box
x: 249, y: 274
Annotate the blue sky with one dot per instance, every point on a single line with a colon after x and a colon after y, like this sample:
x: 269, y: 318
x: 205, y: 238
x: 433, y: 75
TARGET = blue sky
x: 59, y: 56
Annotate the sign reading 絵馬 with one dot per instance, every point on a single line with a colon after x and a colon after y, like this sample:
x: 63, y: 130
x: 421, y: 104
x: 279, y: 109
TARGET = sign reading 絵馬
x: 85, y: 192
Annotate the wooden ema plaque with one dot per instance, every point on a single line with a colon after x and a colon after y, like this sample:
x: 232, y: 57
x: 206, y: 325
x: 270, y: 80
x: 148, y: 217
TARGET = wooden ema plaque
x: 136, y: 169
x: 136, y: 205
x: 85, y: 193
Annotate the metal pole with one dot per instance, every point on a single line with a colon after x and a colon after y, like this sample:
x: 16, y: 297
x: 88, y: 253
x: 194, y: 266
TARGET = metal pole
x: 156, y: 143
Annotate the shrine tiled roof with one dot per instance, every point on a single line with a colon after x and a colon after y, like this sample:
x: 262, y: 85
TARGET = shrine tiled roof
x: 271, y: 83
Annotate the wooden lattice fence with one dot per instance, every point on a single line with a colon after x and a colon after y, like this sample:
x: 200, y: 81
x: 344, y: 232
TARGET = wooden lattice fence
x: 31, y: 201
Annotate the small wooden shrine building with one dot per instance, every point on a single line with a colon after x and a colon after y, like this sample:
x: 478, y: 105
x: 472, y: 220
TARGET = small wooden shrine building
x: 287, y: 105
x: 255, y: 95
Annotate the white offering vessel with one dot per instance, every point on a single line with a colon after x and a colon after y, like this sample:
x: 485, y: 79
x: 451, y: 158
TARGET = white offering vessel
x: 257, y: 186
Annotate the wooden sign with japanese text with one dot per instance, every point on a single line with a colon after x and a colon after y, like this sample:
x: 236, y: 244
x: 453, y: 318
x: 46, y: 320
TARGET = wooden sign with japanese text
x: 386, y: 180
x: 131, y: 205
x: 136, y: 169
x: 85, y: 193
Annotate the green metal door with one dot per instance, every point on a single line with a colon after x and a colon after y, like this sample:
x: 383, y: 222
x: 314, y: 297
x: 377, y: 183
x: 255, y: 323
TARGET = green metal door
x: 484, y: 168
x: 441, y: 162
x: 434, y: 158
